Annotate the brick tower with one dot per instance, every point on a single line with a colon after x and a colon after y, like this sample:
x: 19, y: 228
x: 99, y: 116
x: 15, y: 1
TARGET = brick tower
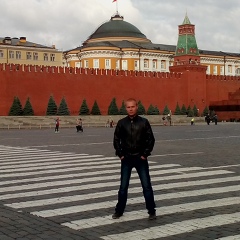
x: 187, y: 61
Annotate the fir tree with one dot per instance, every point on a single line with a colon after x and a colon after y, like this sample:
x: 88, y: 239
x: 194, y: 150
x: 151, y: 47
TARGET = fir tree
x: 205, y: 111
x: 52, y: 107
x: 151, y: 110
x: 84, y: 110
x: 16, y: 108
x: 177, y: 110
x: 28, y: 110
x: 113, y: 109
x: 195, y: 111
x: 141, y: 109
x: 122, y: 110
x: 156, y: 111
x: 63, y: 108
x: 183, y: 110
x: 166, y: 110
x: 190, y: 112
x: 95, y: 109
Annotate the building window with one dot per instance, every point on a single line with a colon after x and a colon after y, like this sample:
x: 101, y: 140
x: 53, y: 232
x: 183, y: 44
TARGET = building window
x: 85, y: 63
x: 124, y: 65
x: 117, y: 64
x: 208, y: 69
x: 29, y: 55
x: 1, y: 53
x: 95, y: 63
x: 45, y: 57
x: 230, y: 69
x: 77, y: 64
x: 11, y: 54
x: 221, y: 70
x: 237, y: 71
x: 52, y: 57
x: 18, y: 55
x: 215, y: 70
x: 107, y: 63
x: 136, y: 65
x: 154, y: 64
x: 163, y: 64
x: 35, y: 56
x: 145, y: 65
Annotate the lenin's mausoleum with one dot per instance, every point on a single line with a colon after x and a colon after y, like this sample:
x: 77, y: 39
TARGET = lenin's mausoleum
x: 186, y: 82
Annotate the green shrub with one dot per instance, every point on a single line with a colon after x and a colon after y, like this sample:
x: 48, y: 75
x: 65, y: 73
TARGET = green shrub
x: 63, y: 108
x: 166, y: 110
x: 95, y: 109
x: 16, y: 108
x: 51, y: 107
x: 113, y: 109
x: 84, y: 110
x: 122, y: 110
x: 183, y: 110
x: 177, y: 110
x: 141, y: 109
x: 28, y: 110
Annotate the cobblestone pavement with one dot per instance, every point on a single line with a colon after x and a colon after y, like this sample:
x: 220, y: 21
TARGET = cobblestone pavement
x: 64, y: 185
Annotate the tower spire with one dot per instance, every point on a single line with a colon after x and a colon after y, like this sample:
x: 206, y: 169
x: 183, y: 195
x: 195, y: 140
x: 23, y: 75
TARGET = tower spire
x: 187, y: 44
x: 186, y: 19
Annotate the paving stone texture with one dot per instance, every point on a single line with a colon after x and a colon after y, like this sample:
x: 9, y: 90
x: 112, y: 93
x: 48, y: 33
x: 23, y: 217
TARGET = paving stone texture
x: 64, y: 185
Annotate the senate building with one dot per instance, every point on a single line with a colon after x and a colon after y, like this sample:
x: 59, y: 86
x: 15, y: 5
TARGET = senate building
x: 119, y: 45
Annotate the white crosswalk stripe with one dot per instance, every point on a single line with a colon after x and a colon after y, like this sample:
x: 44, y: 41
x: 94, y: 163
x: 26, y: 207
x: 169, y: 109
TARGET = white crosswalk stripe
x: 54, y: 184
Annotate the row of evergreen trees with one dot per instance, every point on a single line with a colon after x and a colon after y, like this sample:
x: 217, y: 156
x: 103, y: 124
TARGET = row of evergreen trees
x: 52, y: 109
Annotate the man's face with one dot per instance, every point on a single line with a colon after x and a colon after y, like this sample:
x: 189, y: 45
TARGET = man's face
x: 131, y: 107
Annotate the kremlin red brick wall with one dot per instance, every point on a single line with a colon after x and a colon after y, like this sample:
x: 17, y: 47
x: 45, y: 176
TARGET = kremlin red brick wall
x: 190, y: 86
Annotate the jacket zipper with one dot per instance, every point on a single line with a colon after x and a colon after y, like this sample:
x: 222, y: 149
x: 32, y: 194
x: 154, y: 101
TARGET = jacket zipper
x: 131, y: 136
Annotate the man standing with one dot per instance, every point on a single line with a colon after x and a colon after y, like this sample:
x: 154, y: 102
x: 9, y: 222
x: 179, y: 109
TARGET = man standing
x: 133, y: 142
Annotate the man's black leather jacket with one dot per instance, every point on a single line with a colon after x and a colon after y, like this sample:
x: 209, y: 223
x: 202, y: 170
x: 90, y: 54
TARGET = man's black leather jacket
x: 133, y: 136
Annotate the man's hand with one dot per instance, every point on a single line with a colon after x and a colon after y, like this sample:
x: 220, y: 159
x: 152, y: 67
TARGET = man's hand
x: 122, y: 157
x: 143, y: 158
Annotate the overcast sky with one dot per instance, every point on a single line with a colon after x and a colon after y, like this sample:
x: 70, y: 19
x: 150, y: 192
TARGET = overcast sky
x: 67, y: 23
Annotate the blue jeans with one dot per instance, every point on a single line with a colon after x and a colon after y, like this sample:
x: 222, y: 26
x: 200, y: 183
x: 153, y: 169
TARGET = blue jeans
x: 127, y: 164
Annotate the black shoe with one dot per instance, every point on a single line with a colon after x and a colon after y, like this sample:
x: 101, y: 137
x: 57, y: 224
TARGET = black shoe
x: 116, y: 215
x: 152, y: 216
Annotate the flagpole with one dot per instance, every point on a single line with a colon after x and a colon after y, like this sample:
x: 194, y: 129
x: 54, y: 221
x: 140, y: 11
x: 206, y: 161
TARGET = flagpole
x: 116, y: 5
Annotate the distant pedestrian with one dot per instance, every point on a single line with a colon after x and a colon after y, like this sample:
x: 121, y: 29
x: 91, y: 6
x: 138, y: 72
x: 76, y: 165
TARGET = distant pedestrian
x: 57, y: 123
x: 79, y: 126
x: 111, y: 123
x: 215, y: 118
x: 208, y: 119
x: 108, y: 123
x: 164, y: 121
x: 192, y: 121
x: 169, y: 118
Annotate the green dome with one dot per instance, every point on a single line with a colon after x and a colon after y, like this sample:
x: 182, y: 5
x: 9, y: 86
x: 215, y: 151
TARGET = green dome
x: 117, y: 27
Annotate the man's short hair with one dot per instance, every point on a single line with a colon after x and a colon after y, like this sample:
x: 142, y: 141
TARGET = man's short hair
x: 131, y: 100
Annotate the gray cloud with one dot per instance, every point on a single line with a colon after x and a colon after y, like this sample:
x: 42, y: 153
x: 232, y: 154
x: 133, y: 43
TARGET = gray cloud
x: 68, y: 23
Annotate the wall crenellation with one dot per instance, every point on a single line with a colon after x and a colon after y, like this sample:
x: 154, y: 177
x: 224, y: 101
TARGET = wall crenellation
x: 88, y: 71
x: 223, y: 78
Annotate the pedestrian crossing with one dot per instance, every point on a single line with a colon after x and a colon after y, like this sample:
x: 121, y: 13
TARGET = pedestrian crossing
x: 79, y: 191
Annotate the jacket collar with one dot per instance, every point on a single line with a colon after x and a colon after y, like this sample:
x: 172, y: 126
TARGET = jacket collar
x: 132, y: 118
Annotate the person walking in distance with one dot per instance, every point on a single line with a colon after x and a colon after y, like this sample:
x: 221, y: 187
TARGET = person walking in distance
x: 79, y: 126
x: 57, y: 122
x: 133, y: 141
